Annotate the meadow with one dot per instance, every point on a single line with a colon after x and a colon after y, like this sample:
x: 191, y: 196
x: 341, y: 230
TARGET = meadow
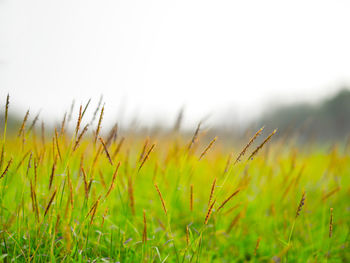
x: 89, y: 194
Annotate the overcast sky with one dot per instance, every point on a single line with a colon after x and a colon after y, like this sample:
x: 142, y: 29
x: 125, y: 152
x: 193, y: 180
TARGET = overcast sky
x: 155, y: 56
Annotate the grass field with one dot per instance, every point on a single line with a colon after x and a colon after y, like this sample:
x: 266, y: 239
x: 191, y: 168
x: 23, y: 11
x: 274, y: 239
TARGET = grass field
x: 91, y: 195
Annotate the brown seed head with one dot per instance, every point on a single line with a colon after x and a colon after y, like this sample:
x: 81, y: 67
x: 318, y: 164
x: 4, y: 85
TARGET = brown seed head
x: 146, y: 157
x: 112, y: 135
x: 256, y: 135
x: 187, y: 235
x: 34, y: 122
x: 210, y: 209
x: 94, y: 211
x: 57, y: 145
x: 96, y: 110
x: 142, y: 154
x: 262, y: 144
x: 86, y: 185
x: 301, y: 204
x: 212, y: 191
x: 194, y: 138
x: 208, y: 147
x: 71, y: 196
x: 233, y: 223
x: 118, y: 147
x: 52, y: 172
x: 228, y: 163
x: 80, y: 136
x: 7, y: 107
x: 161, y: 199
x: 228, y: 199
x: 331, y: 224
x: 179, y: 120
x: 79, y: 120
x: 104, y: 216
x: 131, y: 195
x: 99, y: 124
x: 21, y: 130
x: 144, y: 235
x: 63, y: 123
x: 6, y: 169
x: 86, y: 106
x: 257, y: 245
x: 106, y: 150
x: 50, y: 202
x: 113, y: 180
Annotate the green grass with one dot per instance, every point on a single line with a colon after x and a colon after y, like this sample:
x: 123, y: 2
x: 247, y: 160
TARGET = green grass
x: 271, y: 187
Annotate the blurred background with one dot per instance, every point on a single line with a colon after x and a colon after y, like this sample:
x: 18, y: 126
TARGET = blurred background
x: 235, y: 65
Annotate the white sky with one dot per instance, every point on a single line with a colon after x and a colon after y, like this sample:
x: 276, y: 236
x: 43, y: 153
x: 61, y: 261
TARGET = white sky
x: 156, y: 56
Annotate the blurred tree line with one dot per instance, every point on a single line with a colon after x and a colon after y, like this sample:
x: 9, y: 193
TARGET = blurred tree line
x: 13, y: 122
x: 326, y: 120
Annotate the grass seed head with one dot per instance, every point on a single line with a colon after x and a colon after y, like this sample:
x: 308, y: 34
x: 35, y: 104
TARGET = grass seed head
x: 78, y: 121
x: 99, y: 124
x: 93, y: 210
x: 21, y: 129
x: 112, y: 135
x: 194, y: 138
x: 36, y: 118
x: 233, y: 223
x: 106, y: 150
x: 86, y: 185
x: 104, y: 216
x: 53, y: 169
x: 187, y: 236
x: 262, y: 144
x: 256, y: 135
x: 146, y: 157
x: 131, y: 195
x: 6, y: 168
x: 301, y: 204
x: 257, y: 245
x: 212, y: 191
x: 161, y: 199
x: 228, y: 199
x: 144, y: 234
x: 210, y: 209
x: 63, y: 124
x: 96, y: 110
x: 80, y: 137
x: 113, y: 180
x: 117, y: 150
x: 57, y: 145
x: 142, y: 154
x: 207, y: 148
x: 50, y: 202
x: 85, y: 108
x: 71, y: 194
x: 331, y: 223
x: 7, y: 108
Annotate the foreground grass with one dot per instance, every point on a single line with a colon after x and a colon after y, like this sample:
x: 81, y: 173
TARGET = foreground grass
x: 132, y: 200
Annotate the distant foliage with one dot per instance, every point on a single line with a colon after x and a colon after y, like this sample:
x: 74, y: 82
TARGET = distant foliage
x: 327, y: 120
